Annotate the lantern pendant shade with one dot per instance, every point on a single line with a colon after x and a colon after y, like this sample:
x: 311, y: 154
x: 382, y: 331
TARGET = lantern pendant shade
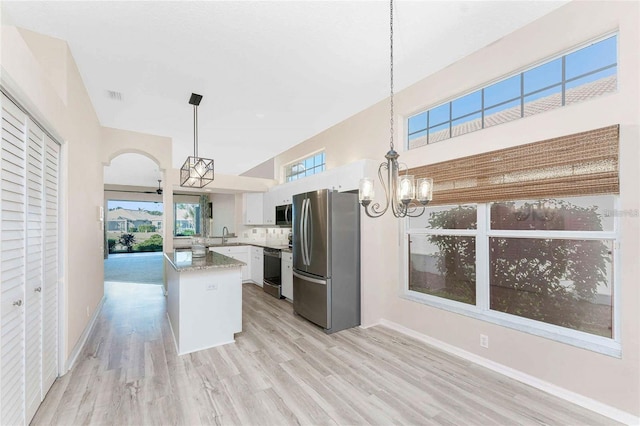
x: 424, y: 189
x: 196, y: 172
x: 366, y: 191
x: 406, y: 189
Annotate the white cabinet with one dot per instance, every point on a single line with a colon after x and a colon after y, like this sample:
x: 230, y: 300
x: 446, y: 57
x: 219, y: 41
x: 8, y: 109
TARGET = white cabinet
x: 240, y: 253
x: 287, y: 275
x: 269, y: 208
x: 257, y: 265
x: 252, y: 208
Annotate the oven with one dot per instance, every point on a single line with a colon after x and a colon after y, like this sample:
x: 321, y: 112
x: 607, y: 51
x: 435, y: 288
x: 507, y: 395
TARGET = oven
x: 272, y: 272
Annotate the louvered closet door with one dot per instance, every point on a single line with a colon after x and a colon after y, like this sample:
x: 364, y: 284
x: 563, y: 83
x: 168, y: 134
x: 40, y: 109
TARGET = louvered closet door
x: 34, y: 269
x: 12, y: 264
x: 28, y: 265
x: 50, y: 285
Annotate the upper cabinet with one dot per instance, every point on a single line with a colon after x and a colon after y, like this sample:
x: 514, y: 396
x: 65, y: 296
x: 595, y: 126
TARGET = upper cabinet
x: 269, y: 211
x: 252, y: 208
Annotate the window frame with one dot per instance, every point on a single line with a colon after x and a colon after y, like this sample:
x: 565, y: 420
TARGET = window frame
x: 481, y: 311
x: 562, y: 56
x: 317, y: 168
x: 196, y: 219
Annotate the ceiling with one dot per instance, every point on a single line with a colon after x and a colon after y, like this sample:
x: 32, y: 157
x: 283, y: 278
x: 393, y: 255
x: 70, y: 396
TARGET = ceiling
x: 272, y: 73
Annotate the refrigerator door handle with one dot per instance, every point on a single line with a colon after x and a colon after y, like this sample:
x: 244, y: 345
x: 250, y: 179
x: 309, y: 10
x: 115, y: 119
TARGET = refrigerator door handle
x: 303, y: 232
x: 311, y: 280
x: 308, y: 235
x: 309, y: 225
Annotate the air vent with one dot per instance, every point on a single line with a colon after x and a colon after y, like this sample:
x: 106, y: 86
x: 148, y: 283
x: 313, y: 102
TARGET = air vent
x: 113, y: 95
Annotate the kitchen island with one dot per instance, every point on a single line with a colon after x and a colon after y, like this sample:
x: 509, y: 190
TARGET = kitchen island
x: 204, y: 299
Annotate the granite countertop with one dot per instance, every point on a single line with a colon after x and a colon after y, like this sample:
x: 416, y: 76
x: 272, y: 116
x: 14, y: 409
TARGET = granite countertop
x: 182, y: 261
x: 284, y: 248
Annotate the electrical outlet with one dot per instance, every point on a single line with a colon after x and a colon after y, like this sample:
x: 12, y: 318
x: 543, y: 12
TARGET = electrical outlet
x: 484, y: 340
x: 212, y: 286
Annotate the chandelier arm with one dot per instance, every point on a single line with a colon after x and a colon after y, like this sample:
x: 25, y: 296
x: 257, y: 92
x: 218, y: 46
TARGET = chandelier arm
x: 413, y: 211
x: 372, y: 211
x: 375, y: 208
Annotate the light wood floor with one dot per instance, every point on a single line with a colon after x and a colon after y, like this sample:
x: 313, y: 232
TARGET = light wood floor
x: 281, y: 370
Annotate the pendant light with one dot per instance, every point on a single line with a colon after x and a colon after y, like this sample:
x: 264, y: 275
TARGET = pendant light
x: 401, y: 192
x: 196, y: 171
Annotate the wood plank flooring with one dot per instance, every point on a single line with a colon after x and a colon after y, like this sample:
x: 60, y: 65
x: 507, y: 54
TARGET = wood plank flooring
x: 282, y: 370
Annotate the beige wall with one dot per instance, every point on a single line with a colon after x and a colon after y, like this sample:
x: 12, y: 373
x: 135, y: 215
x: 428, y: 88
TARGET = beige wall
x: 41, y: 74
x: 263, y: 170
x: 159, y: 149
x: 612, y: 381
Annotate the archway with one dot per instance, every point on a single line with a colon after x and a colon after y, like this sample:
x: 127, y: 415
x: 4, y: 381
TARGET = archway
x: 135, y: 219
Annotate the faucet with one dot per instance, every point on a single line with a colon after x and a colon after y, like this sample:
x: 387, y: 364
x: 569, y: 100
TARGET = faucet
x: 225, y: 232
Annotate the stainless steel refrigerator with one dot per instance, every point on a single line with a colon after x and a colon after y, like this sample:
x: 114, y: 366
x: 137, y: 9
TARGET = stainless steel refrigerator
x: 326, y: 258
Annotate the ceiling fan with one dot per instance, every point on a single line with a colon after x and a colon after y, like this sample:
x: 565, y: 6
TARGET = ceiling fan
x: 157, y: 191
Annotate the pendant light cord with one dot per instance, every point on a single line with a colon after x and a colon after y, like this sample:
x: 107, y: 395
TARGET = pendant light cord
x: 391, y: 71
x: 195, y: 130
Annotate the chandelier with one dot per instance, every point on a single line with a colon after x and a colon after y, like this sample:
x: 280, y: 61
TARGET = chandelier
x: 405, y: 196
x: 196, y: 171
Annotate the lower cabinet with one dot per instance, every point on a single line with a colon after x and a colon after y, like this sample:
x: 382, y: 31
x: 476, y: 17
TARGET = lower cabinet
x: 257, y: 265
x: 287, y: 275
x: 239, y: 253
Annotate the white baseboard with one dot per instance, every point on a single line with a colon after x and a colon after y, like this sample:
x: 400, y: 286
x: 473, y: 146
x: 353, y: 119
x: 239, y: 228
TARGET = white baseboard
x: 567, y: 395
x: 77, y: 349
x: 364, y: 327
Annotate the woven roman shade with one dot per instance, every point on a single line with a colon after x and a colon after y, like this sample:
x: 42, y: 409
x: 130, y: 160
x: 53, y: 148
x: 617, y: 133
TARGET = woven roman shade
x: 580, y: 164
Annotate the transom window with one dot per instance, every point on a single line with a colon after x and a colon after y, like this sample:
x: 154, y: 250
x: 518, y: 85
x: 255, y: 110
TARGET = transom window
x: 305, y: 167
x: 583, y: 74
x: 543, y: 266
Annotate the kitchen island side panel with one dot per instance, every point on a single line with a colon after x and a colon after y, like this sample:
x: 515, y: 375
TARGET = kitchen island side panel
x: 210, y: 305
x: 173, y: 300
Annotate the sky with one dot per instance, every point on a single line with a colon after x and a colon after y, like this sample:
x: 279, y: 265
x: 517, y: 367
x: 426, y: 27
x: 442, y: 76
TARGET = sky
x: 135, y: 205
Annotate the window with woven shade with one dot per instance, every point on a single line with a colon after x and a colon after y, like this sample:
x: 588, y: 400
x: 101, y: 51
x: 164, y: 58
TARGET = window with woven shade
x: 525, y: 237
x: 584, y: 163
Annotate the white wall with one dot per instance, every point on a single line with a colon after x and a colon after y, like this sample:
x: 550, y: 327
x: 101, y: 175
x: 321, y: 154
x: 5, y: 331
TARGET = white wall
x: 41, y: 74
x: 612, y: 381
x: 223, y: 213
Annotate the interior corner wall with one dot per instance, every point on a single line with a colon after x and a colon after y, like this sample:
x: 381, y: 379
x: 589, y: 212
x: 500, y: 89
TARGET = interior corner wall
x: 52, y: 89
x: 264, y: 170
x: 614, y: 382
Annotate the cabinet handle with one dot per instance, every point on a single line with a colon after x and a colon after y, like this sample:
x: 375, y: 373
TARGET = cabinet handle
x: 37, y: 289
x: 17, y: 303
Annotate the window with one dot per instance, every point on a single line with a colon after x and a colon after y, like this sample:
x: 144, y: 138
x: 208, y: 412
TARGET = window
x: 186, y: 218
x: 583, y: 74
x: 442, y: 260
x: 305, y: 167
x: 544, y: 266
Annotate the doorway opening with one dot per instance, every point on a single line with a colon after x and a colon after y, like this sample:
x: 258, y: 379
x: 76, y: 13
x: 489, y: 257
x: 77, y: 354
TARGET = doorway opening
x: 134, y: 241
